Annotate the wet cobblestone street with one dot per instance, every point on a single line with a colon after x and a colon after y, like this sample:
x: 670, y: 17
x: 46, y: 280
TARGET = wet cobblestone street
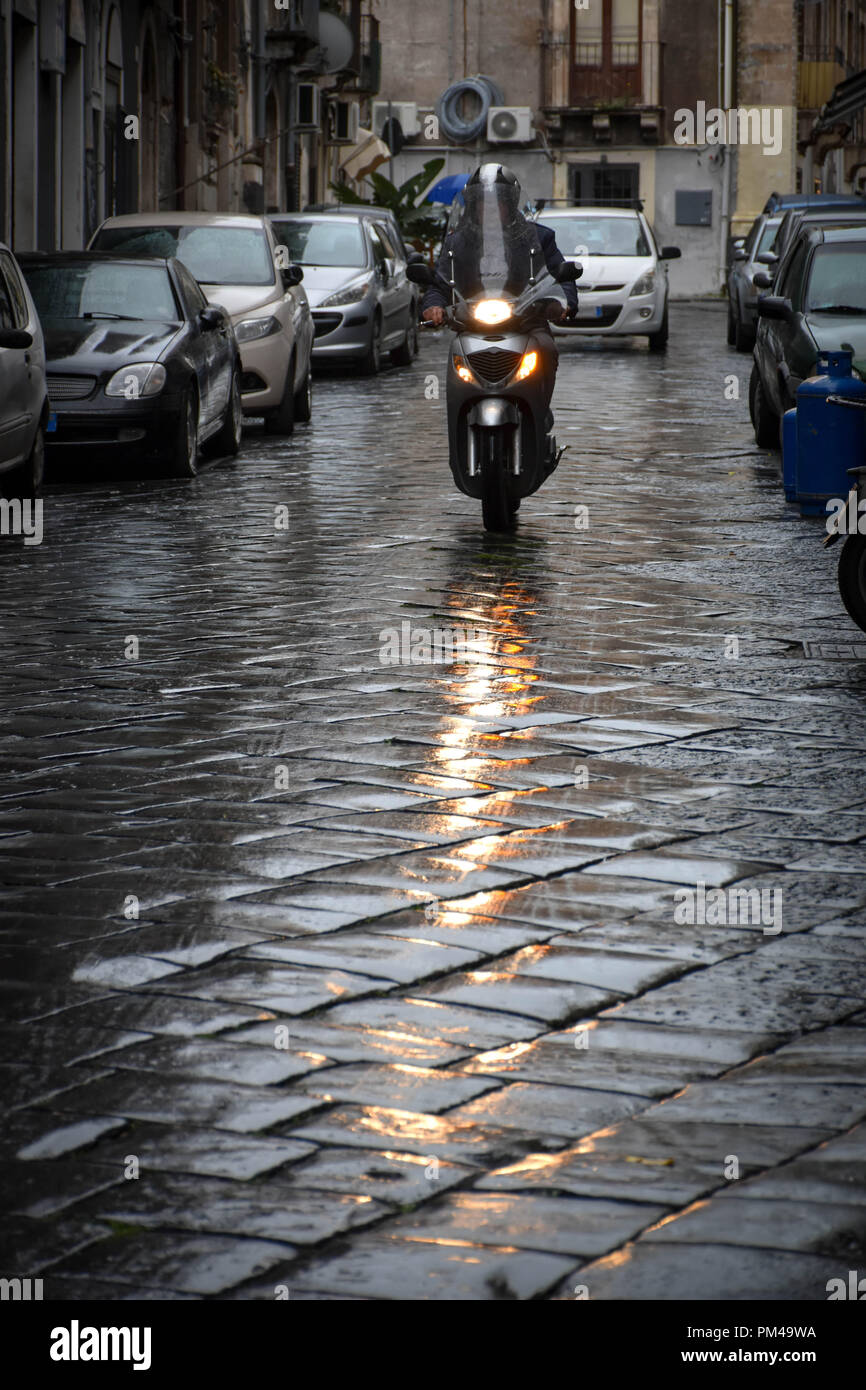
x: 367, y: 979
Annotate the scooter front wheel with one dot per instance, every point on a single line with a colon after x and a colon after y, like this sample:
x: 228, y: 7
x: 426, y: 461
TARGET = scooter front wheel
x: 497, y: 508
x: 852, y: 578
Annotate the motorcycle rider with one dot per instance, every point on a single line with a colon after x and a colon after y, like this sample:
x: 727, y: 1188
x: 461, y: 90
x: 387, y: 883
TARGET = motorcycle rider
x: 464, y: 243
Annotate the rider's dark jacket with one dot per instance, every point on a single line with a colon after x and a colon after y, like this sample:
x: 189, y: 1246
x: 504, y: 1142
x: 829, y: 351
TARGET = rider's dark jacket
x: 552, y: 255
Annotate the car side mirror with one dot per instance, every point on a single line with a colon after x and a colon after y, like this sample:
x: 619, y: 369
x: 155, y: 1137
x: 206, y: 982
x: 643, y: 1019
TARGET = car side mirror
x: 767, y: 258
x: 210, y: 317
x: 762, y: 281
x: 292, y: 275
x: 15, y: 338
x: 773, y: 306
x: 568, y: 272
x: 670, y: 253
x: 420, y: 273
x: 739, y: 253
x: 738, y: 244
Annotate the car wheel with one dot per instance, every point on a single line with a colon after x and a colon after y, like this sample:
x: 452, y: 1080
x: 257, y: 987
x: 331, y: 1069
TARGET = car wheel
x: 659, y: 341
x: 184, y: 457
x: 852, y: 578
x: 405, y: 354
x: 744, y: 338
x: 731, y: 325
x: 371, y: 362
x: 26, y: 481
x: 304, y: 399
x: 282, y: 420
x: 764, y: 418
x: 753, y: 381
x: 228, y: 438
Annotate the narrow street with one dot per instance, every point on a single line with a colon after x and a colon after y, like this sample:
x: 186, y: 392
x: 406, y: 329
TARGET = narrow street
x: 360, y: 977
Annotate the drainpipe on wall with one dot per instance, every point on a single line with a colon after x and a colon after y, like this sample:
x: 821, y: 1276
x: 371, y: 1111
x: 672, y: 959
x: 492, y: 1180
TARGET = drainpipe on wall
x: 726, y: 152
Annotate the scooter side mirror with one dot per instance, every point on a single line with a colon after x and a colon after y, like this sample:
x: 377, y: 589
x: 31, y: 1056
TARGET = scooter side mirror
x: 567, y: 272
x: 415, y: 258
x: 420, y: 273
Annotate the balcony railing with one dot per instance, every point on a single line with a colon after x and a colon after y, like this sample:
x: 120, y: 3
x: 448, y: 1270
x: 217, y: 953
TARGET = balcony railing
x: 617, y: 74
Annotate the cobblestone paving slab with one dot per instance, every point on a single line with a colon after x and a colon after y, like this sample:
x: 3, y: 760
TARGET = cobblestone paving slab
x: 401, y: 981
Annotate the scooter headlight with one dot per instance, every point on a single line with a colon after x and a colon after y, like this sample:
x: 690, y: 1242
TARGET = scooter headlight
x: 461, y: 369
x: 527, y: 366
x: 492, y: 311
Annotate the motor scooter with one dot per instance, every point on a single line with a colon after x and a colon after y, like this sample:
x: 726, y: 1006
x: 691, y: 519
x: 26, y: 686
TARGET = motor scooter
x: 500, y: 446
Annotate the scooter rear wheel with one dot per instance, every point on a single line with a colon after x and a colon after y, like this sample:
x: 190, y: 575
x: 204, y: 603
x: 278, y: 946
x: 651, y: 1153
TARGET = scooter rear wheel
x: 852, y: 578
x: 497, y: 508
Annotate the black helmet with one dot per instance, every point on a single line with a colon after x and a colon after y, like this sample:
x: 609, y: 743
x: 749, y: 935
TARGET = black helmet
x: 489, y: 177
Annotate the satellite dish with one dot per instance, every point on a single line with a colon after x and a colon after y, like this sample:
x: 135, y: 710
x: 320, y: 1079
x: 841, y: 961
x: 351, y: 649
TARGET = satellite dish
x: 336, y: 42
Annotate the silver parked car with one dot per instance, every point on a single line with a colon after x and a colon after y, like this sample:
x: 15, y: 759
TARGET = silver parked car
x: 355, y: 277
x: 24, y: 413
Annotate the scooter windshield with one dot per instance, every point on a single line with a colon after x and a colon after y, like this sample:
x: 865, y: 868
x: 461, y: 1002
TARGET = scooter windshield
x: 495, y: 256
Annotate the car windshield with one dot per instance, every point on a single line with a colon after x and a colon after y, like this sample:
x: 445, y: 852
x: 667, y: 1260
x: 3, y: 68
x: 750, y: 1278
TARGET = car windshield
x: 838, y: 279
x: 323, y: 243
x: 768, y: 236
x: 97, y: 289
x: 599, y: 236
x: 213, y: 255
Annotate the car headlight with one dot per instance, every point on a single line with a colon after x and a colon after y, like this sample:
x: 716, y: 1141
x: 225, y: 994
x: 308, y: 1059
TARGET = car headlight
x: 249, y: 329
x: 527, y: 366
x: 137, y: 380
x: 492, y: 311
x: 645, y: 284
x: 349, y: 294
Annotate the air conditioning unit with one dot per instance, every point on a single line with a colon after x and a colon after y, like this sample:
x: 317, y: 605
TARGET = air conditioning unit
x: 406, y: 112
x: 308, y: 106
x: 344, y: 122
x: 510, y: 125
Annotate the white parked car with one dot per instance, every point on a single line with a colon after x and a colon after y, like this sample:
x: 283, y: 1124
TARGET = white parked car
x: 624, y: 287
x: 239, y: 265
x: 23, y: 397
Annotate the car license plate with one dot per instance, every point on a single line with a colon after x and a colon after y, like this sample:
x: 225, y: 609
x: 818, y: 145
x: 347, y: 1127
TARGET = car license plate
x: 51, y: 427
x: 598, y: 311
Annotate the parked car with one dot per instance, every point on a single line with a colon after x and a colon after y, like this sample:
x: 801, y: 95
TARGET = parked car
x: 363, y: 304
x: 794, y: 218
x: 742, y: 295
x: 137, y: 360
x: 378, y: 214
x: 819, y: 305
x: 780, y: 202
x: 23, y: 395
x: 234, y: 257
x: 624, y: 287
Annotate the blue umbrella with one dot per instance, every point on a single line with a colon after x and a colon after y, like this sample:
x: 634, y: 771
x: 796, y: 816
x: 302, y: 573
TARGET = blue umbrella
x: 446, y: 190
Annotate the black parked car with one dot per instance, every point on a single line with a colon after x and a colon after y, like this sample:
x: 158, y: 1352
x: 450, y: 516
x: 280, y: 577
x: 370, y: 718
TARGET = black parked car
x: 819, y: 304
x: 136, y: 358
x: 823, y: 216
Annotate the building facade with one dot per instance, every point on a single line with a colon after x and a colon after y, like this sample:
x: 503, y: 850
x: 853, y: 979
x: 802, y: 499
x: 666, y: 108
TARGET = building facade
x: 604, y: 82
x: 111, y: 106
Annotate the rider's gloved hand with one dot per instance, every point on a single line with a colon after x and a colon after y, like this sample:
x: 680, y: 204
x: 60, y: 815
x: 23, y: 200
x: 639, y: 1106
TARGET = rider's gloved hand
x: 434, y: 315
